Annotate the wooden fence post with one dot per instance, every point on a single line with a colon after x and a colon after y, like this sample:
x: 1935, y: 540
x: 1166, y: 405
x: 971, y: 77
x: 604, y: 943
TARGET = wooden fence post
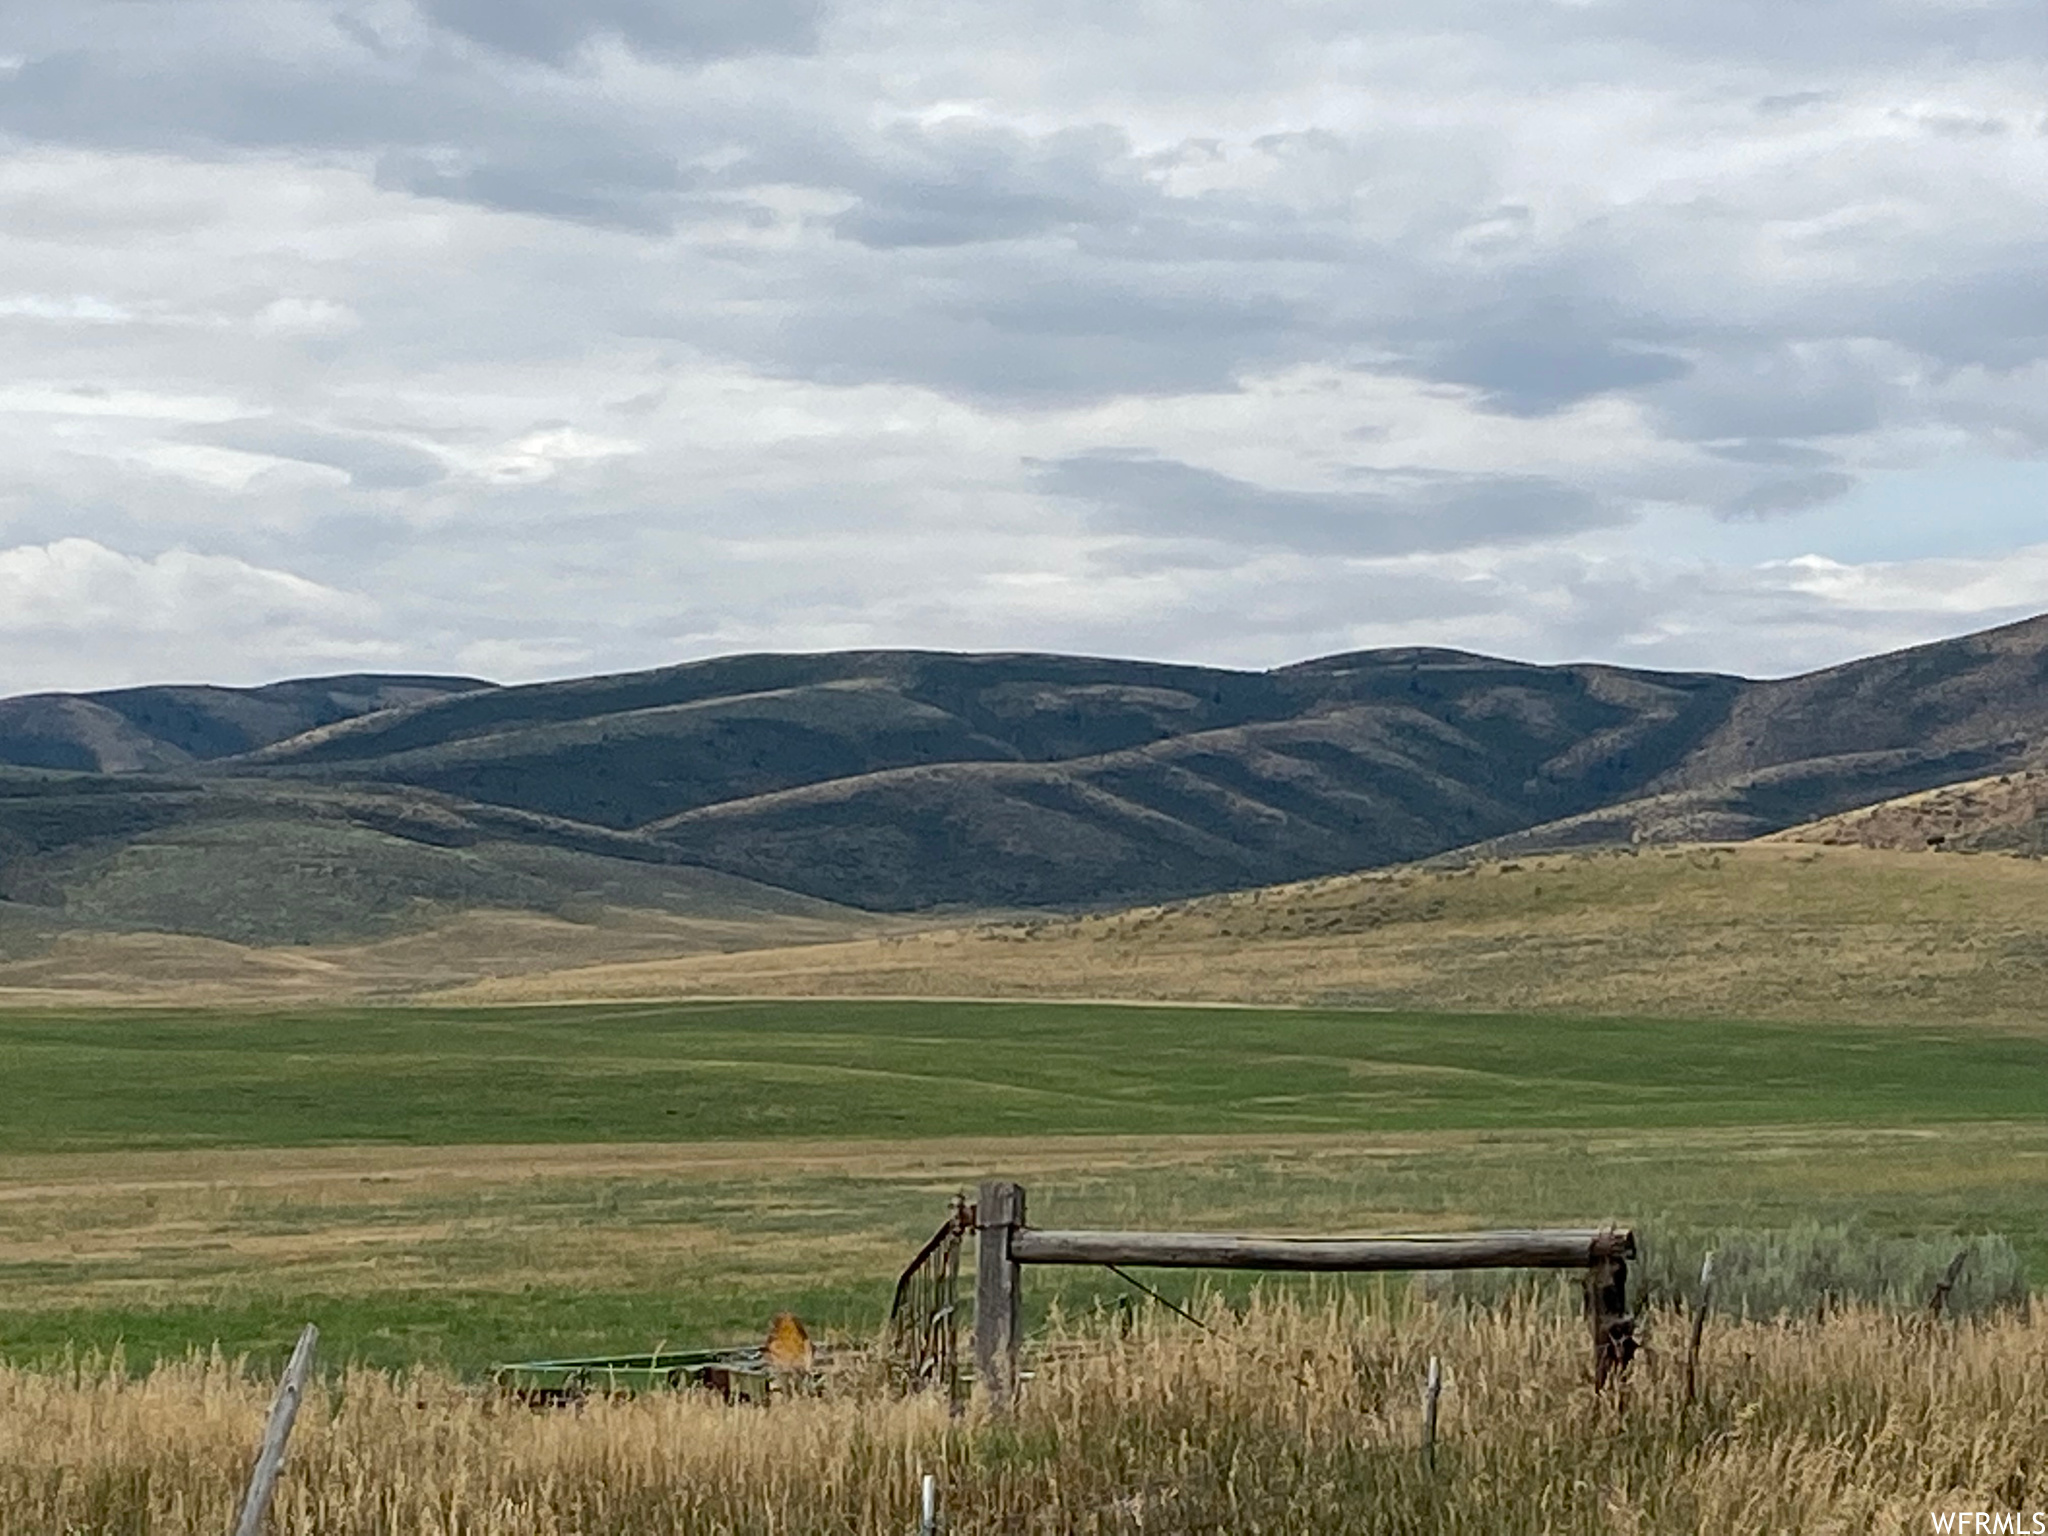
x: 1432, y: 1389
x: 1947, y: 1284
x: 1614, y: 1341
x: 998, y: 1212
x: 1700, y: 1305
x: 284, y: 1412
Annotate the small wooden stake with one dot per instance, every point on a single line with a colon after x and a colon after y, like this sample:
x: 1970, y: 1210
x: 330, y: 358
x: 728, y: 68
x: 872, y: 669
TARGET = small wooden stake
x: 1432, y: 1389
x: 1701, y: 1303
x: 284, y: 1412
x: 998, y: 1213
x: 1948, y: 1283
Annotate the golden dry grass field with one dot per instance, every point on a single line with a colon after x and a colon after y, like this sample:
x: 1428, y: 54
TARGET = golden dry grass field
x: 1285, y: 1418
x: 1755, y: 931
x: 85, y: 967
x: 1772, y: 929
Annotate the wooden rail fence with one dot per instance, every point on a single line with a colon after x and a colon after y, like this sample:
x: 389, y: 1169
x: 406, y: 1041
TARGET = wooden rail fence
x: 1005, y: 1243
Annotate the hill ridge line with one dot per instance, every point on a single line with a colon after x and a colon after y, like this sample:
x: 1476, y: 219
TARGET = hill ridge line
x: 918, y: 781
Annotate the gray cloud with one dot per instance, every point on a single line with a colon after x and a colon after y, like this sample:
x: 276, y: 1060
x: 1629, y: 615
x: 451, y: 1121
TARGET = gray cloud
x: 1789, y: 493
x: 372, y: 463
x: 963, y: 183
x: 1546, y: 363
x: 434, y: 124
x: 1788, y: 391
x: 587, y: 181
x: 1815, y: 32
x: 1142, y: 494
x: 550, y: 31
x: 1770, y: 451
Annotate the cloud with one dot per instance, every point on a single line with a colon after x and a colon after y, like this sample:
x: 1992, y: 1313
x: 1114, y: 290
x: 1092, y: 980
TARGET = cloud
x: 553, y: 32
x: 77, y: 614
x: 1549, y: 357
x: 587, y: 179
x: 960, y: 181
x: 1790, y: 493
x: 1141, y: 494
x: 591, y: 335
x: 373, y: 463
x: 240, y: 79
x: 80, y: 587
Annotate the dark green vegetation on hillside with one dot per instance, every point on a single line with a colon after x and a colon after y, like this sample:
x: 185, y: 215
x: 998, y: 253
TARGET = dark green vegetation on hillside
x: 905, y: 780
x: 263, y: 863
x: 843, y: 1070
x: 124, y: 730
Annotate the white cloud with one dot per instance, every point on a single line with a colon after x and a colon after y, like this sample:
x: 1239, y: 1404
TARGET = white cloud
x: 76, y: 307
x: 539, y: 455
x: 295, y: 315
x: 77, y: 586
x: 76, y: 614
x: 2013, y: 583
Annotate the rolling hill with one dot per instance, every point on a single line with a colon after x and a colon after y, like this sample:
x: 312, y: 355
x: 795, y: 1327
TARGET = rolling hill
x: 260, y: 863
x: 2006, y: 813
x: 1761, y: 930
x: 128, y: 730
x: 816, y: 788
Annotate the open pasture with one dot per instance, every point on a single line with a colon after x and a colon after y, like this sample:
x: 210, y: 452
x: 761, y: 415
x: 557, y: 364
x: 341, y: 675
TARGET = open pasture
x: 459, y: 1185
x: 837, y: 1070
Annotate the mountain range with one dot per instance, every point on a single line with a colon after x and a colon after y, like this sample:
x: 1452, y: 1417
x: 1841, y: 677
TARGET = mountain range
x: 809, y: 786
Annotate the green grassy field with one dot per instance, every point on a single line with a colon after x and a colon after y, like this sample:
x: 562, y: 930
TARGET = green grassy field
x: 463, y: 1185
x: 836, y: 1070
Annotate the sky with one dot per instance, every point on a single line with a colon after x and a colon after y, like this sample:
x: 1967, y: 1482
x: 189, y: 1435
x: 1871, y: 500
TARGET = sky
x: 522, y: 339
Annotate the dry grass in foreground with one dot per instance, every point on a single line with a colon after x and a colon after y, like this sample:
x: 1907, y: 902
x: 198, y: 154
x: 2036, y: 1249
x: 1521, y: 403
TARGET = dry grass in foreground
x: 1754, y: 930
x: 1288, y: 1420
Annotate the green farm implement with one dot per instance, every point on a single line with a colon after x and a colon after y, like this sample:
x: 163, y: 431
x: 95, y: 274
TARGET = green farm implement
x: 748, y: 1373
x: 737, y: 1375
x: 922, y: 1347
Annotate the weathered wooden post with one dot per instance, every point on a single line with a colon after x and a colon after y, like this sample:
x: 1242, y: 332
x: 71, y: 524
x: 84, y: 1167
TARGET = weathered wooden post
x: 1701, y: 1302
x: 284, y: 1412
x: 1614, y: 1331
x: 998, y: 1213
x: 1432, y: 1389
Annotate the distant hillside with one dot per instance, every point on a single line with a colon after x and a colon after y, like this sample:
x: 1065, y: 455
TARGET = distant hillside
x: 1753, y: 805
x: 2007, y: 813
x: 130, y: 730
x: 905, y: 780
x: 258, y: 863
x: 912, y: 781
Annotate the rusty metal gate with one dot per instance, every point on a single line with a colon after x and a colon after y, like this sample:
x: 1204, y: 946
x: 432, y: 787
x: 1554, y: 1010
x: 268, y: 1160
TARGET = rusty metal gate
x: 924, y: 1316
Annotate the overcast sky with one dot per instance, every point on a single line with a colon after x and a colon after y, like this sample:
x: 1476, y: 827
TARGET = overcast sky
x: 534, y: 337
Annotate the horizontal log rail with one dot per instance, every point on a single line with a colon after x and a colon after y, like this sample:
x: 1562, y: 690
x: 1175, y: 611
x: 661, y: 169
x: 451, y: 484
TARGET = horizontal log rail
x: 1567, y: 1248
x: 1005, y: 1243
